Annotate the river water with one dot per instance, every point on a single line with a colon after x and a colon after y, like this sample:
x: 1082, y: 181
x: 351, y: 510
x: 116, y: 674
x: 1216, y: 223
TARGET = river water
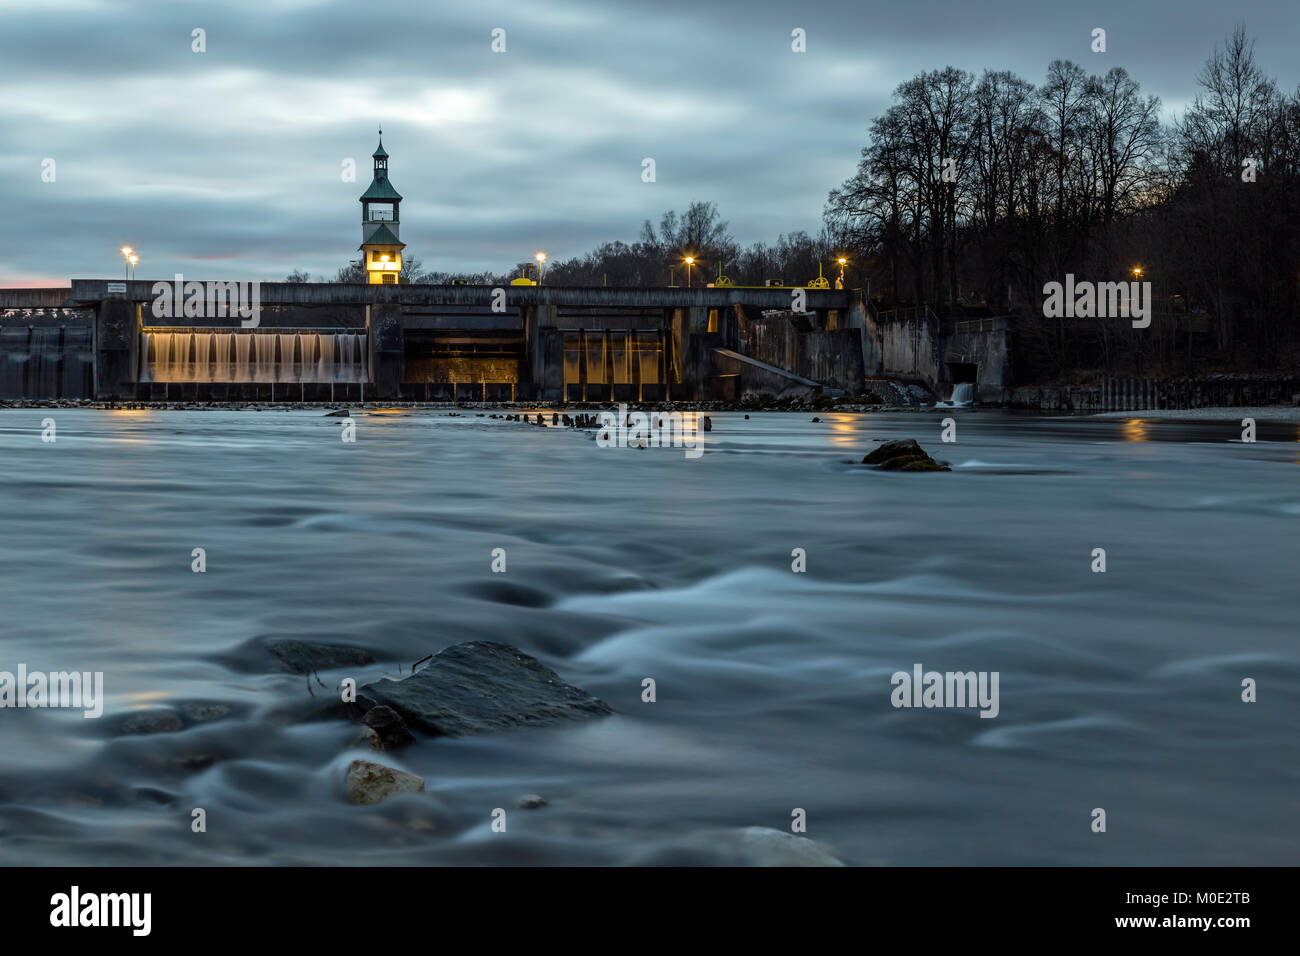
x: 1118, y: 690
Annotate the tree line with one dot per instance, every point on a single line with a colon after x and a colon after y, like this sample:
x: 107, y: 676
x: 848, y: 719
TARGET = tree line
x: 975, y: 191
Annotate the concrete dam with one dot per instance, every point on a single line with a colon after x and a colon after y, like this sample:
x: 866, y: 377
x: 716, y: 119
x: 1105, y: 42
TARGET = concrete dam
x: 102, y: 340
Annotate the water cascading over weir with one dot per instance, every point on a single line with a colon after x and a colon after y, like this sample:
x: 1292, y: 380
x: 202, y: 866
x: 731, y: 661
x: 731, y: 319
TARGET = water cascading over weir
x: 175, y: 356
x: 47, y: 360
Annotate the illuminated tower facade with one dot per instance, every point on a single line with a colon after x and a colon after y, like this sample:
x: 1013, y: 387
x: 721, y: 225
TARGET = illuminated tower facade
x: 380, y: 224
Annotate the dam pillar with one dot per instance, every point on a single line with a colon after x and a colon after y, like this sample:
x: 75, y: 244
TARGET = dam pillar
x: 686, y: 324
x: 859, y: 317
x: 537, y: 319
x: 117, y: 339
x: 387, y: 350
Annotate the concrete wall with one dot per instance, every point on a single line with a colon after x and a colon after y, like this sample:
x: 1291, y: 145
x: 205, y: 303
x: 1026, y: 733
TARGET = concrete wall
x: 387, y: 351
x: 908, y: 347
x: 861, y: 317
x: 117, y: 336
x: 832, y: 357
x: 731, y: 379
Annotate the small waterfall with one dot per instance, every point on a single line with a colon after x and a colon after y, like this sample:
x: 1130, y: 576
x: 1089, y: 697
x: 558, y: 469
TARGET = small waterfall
x: 963, y: 393
x: 649, y: 346
x: 263, y: 357
x: 13, y: 360
x: 46, y: 361
x: 325, y: 358
x: 354, y: 369
x: 269, y: 356
x: 290, y: 370
x: 243, y: 346
x: 596, y: 359
x: 202, y: 357
x: 572, y: 358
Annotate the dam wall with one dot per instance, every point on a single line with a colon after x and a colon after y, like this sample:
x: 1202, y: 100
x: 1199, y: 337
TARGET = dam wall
x: 336, y: 341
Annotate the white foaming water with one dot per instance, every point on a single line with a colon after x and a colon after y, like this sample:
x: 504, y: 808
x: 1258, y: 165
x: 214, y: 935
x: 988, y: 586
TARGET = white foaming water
x: 963, y: 393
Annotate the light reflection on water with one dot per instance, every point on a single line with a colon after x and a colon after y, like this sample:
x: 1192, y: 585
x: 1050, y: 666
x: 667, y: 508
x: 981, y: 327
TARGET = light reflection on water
x: 1135, y: 430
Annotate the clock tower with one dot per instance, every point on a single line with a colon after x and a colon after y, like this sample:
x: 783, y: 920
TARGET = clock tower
x: 380, y: 224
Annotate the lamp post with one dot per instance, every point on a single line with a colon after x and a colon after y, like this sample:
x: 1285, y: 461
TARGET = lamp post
x: 133, y: 259
x: 126, y: 261
x: 843, y: 262
x: 690, y: 261
x: 541, y: 261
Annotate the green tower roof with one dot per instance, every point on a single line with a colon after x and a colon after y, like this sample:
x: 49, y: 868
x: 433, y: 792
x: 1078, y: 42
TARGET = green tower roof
x: 380, y: 189
x: 383, y: 236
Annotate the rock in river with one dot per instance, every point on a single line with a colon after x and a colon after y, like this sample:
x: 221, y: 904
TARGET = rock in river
x: 480, y: 687
x: 269, y: 652
x: 903, y: 455
x: 368, y: 782
x: 388, y: 728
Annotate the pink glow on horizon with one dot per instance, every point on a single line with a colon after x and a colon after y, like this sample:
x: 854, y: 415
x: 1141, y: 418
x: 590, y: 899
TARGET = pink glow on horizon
x: 34, y: 282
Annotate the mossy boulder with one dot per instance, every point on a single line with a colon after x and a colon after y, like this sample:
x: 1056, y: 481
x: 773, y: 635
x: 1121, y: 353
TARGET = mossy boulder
x: 903, y: 455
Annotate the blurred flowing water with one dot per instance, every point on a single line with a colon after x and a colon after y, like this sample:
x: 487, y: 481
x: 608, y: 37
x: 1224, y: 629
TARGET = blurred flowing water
x: 1118, y: 690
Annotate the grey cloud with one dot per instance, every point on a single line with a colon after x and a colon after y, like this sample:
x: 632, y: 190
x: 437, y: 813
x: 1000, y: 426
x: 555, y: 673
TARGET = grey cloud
x: 229, y: 161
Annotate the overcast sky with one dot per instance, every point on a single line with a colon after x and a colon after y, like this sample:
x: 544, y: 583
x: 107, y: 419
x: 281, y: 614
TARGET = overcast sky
x: 227, y: 164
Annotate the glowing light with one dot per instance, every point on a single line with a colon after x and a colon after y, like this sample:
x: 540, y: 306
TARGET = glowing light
x: 1135, y: 429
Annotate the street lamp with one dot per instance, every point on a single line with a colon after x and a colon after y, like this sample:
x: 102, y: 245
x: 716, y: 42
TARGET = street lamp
x: 843, y: 262
x: 133, y: 259
x: 690, y: 261
x: 126, y: 261
x: 541, y: 261
x: 1137, y: 272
